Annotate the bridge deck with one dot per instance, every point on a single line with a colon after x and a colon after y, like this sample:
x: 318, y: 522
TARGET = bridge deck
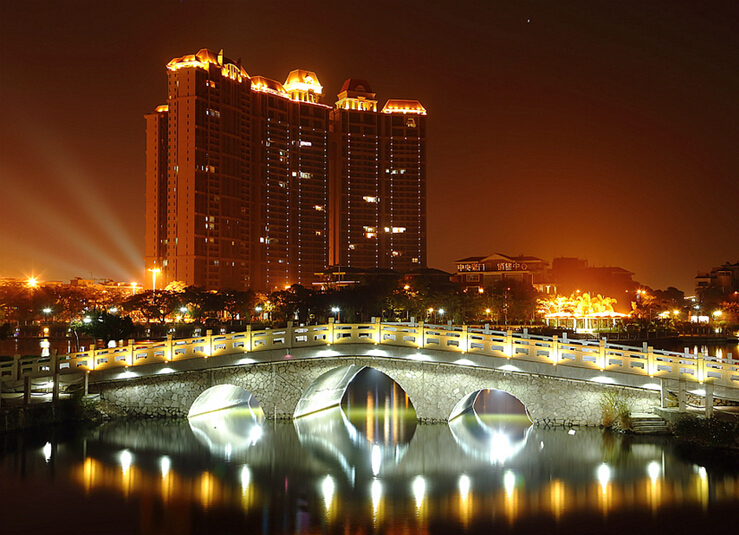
x: 463, y: 345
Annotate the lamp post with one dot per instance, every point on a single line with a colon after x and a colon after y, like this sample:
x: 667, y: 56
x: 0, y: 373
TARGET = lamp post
x: 337, y: 311
x: 154, y: 273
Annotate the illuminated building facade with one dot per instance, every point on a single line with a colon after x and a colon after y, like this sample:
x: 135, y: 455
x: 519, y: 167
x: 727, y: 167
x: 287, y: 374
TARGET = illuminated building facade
x: 243, y: 174
x: 378, y: 181
x: 479, y: 272
x: 237, y: 176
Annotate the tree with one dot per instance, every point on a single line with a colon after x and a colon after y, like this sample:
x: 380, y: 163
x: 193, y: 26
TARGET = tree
x: 103, y: 325
x: 152, y: 305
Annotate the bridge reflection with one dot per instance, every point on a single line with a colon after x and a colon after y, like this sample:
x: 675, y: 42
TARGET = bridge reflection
x: 324, y: 471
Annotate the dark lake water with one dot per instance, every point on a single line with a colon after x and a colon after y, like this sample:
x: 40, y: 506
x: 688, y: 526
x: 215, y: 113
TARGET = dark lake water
x: 356, y: 470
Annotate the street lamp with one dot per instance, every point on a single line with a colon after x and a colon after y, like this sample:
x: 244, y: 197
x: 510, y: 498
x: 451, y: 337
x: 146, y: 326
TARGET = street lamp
x: 441, y: 313
x: 133, y: 287
x: 154, y: 273
x: 337, y: 311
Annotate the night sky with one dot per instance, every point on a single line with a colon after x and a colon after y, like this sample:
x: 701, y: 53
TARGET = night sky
x: 604, y: 130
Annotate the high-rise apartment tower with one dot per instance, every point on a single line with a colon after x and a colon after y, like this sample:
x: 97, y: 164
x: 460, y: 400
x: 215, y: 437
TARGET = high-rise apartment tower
x: 378, y: 181
x: 238, y: 188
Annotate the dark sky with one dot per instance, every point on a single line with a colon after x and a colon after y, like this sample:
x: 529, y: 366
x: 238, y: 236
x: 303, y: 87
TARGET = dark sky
x: 605, y: 130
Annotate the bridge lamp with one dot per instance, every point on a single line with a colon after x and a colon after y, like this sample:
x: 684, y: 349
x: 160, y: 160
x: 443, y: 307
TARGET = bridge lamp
x: 337, y: 311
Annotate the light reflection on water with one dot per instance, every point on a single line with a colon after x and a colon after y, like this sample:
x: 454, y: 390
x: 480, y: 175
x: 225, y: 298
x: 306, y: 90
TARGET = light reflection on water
x: 322, y: 473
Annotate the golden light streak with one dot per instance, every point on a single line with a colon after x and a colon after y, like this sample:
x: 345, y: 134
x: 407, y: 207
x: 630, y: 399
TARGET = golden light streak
x: 370, y: 418
x: 465, y: 501
x: 557, y: 498
x: 206, y: 489
x: 511, y: 496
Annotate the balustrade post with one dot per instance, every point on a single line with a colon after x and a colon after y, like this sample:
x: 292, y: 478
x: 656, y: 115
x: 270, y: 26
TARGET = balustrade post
x: 15, y: 371
x: 681, y: 406
x: 602, y: 353
x: 247, y: 342
x: 651, y: 363
x: 289, y: 335
x: 208, y: 343
x: 168, y: 353
x: 27, y: 390
x: 700, y: 368
x: 464, y: 342
x: 555, y: 349
x: 54, y: 363
x: 509, y: 343
x: 421, y: 337
x: 709, y: 399
x: 130, y: 350
x: 378, y: 331
x: 330, y: 331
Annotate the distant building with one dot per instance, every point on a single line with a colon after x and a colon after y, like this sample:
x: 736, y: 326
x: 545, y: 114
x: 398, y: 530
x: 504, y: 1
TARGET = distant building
x: 240, y: 188
x: 237, y: 176
x: 573, y: 274
x: 479, y: 272
x: 378, y: 181
x: 334, y: 278
x: 720, y: 282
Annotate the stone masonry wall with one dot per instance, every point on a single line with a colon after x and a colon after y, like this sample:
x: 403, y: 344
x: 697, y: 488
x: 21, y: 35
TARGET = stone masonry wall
x: 434, y: 389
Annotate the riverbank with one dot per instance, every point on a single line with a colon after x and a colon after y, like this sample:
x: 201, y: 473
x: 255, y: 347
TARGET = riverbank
x: 89, y: 410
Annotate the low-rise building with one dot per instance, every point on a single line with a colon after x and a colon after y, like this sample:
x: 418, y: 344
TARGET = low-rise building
x: 479, y: 272
x: 722, y: 281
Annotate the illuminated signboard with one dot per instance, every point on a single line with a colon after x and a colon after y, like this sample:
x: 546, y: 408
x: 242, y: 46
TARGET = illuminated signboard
x: 474, y: 266
x: 511, y: 266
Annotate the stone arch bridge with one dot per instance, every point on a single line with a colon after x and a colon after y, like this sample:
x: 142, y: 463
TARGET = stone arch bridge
x: 439, y: 367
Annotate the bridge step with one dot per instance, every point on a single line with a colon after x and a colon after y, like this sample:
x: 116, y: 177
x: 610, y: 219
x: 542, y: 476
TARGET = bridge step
x: 648, y: 424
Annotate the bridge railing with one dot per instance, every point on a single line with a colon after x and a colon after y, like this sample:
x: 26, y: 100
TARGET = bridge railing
x: 554, y: 351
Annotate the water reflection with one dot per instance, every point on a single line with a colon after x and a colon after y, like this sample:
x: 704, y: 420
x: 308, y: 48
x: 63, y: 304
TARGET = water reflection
x: 228, y: 432
x: 322, y: 474
x: 491, y: 438
x: 330, y: 435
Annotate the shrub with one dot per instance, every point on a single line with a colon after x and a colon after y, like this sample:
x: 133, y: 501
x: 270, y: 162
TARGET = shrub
x: 616, y: 413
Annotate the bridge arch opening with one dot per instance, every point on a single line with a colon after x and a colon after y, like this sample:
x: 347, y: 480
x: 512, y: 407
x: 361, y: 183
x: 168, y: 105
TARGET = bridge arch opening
x: 370, y: 400
x: 221, y: 397
x: 494, y: 406
x: 491, y: 424
x: 357, y: 418
x: 227, y: 419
